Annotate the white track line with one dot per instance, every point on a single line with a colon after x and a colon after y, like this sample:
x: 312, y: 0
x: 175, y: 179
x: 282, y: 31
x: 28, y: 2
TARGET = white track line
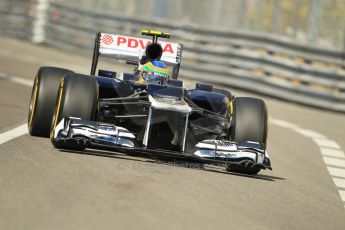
x: 18, y: 80
x: 284, y: 124
x: 324, y: 143
x: 334, y: 161
x: 342, y: 194
x: 338, y: 172
x: 13, y: 133
x: 339, y: 182
x: 309, y: 133
x: 331, y: 152
x: 23, y: 129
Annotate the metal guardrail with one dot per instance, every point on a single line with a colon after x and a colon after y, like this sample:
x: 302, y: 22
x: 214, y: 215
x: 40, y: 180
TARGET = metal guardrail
x: 15, y: 18
x: 258, y: 62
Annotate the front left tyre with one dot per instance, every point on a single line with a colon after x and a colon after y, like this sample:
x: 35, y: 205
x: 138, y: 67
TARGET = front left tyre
x: 43, y: 97
x: 249, y: 123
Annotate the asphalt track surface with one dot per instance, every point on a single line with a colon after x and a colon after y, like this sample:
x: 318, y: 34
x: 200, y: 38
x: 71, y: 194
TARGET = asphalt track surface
x: 44, y: 188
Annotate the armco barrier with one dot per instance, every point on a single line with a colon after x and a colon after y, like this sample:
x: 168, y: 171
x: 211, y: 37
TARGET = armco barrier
x: 258, y: 62
x: 16, y: 19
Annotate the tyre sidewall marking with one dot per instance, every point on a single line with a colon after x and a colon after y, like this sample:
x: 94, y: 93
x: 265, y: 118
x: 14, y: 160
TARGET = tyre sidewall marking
x: 57, y: 108
x: 33, y: 101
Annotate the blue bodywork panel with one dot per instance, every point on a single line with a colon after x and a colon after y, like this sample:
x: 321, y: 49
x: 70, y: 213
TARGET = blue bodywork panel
x: 212, y: 101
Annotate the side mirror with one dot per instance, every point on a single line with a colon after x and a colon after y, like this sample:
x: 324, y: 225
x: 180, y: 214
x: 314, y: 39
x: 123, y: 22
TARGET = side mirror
x: 203, y: 87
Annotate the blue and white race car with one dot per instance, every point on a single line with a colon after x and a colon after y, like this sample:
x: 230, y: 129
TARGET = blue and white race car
x: 149, y: 110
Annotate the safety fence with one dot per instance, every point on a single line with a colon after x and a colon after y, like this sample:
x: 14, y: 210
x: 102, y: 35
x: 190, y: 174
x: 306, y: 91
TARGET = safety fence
x: 263, y: 63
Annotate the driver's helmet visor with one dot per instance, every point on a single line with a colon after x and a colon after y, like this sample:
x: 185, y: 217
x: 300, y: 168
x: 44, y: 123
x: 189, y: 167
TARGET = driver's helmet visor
x: 154, y: 78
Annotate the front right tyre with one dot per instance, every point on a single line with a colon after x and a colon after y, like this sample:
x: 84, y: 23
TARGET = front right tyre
x: 43, y: 97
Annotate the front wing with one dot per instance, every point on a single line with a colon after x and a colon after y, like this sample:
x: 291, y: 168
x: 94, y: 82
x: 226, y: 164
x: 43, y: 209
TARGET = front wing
x: 76, y: 133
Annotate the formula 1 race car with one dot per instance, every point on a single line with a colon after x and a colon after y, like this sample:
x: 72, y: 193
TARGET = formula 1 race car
x: 122, y: 112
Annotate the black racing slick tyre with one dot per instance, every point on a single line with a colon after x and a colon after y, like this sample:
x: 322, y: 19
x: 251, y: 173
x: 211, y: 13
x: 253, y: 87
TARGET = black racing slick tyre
x: 77, y: 97
x: 249, y: 120
x: 249, y: 123
x: 43, y: 97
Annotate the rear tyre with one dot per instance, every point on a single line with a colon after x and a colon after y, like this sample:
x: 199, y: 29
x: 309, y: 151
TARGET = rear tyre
x: 43, y: 97
x: 77, y: 97
x: 249, y: 123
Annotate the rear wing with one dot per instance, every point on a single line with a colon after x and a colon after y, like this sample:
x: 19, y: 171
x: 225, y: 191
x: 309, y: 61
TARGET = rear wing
x: 132, y: 49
